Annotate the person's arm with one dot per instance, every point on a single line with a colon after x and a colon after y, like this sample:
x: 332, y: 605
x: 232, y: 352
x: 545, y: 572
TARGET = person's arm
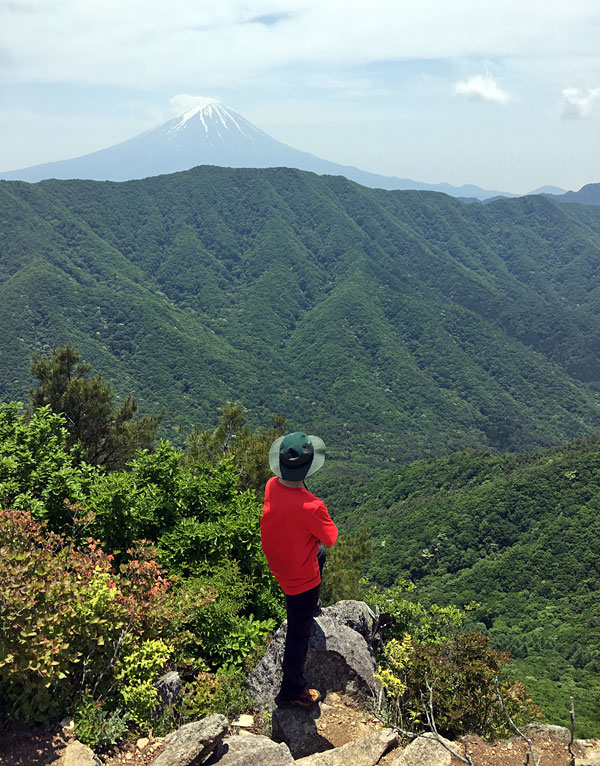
x: 321, y: 525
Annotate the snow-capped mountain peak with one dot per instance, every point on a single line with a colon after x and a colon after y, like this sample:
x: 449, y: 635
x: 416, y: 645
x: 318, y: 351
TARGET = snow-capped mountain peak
x: 211, y: 115
x: 208, y: 133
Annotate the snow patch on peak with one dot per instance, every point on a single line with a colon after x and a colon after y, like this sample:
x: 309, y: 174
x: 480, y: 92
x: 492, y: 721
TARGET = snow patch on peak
x: 208, y: 112
x: 208, y: 105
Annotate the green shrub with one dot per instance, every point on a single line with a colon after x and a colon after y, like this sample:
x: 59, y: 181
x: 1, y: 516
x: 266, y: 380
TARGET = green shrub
x: 67, y: 618
x: 429, y: 660
x: 96, y: 727
x: 37, y: 471
x: 222, y: 692
x: 227, y: 634
x: 135, y: 673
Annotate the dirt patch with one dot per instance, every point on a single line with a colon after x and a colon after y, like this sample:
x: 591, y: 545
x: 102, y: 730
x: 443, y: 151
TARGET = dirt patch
x: 342, y: 721
x: 550, y: 752
x: 34, y: 746
x: 45, y: 746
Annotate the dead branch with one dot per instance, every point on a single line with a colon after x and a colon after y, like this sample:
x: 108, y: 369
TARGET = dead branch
x: 536, y: 761
x: 571, y: 753
x: 433, y: 732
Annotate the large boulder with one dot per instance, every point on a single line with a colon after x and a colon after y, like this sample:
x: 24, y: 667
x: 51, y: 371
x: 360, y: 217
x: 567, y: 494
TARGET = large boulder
x: 193, y: 742
x: 365, y: 751
x: 339, y: 658
x: 78, y: 754
x: 298, y: 729
x: 424, y: 751
x: 353, y: 614
x: 250, y: 750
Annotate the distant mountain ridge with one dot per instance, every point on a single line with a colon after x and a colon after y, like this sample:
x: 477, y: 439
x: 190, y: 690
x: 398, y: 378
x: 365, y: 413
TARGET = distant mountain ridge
x: 395, y: 324
x: 587, y: 195
x: 212, y: 134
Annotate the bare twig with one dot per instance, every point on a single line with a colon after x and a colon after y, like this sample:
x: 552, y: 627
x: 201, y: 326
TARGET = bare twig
x: 432, y: 734
x: 429, y: 715
x: 114, y: 658
x: 571, y: 753
x: 536, y: 761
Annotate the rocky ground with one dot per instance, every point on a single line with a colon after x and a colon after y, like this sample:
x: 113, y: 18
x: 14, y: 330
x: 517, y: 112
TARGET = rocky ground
x: 340, y: 657
x: 340, y: 722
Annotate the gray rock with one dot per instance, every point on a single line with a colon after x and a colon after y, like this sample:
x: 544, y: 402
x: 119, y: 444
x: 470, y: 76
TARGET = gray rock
x: 298, y: 729
x: 78, y: 754
x: 250, y: 750
x: 424, y: 751
x: 193, y: 742
x: 538, y: 729
x: 244, y: 721
x: 352, y: 614
x: 365, y: 751
x: 339, y: 659
x: 168, y: 687
x: 592, y: 758
x: 588, y: 752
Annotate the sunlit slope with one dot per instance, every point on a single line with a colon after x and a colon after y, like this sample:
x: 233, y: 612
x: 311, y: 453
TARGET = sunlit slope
x: 395, y: 324
x: 520, y: 535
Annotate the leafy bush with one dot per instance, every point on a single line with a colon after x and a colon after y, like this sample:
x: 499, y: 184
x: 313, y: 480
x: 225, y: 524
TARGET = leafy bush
x: 135, y: 673
x: 37, y: 471
x: 455, y: 672
x: 227, y: 634
x: 96, y: 727
x: 67, y: 618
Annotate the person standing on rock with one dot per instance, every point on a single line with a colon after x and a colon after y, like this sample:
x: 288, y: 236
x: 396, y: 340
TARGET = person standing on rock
x: 293, y: 525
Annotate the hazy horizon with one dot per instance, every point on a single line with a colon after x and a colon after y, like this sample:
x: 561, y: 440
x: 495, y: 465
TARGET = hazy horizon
x: 504, y: 96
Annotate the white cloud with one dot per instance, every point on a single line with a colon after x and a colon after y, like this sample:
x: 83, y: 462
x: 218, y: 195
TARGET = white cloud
x: 187, y: 43
x: 183, y: 102
x: 481, y: 88
x: 577, y: 102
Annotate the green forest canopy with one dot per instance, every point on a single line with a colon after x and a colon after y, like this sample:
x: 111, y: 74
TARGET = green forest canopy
x: 397, y: 325
x: 520, y: 535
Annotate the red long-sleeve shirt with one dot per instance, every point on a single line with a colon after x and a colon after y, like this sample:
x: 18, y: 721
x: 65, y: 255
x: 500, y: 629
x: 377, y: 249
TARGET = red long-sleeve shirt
x: 293, y: 522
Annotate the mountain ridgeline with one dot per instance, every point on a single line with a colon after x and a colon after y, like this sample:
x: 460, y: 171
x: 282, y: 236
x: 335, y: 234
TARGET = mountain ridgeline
x: 397, y: 325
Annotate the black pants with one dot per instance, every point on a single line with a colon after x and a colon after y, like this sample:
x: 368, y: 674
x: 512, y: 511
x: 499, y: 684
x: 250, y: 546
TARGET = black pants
x: 300, y: 609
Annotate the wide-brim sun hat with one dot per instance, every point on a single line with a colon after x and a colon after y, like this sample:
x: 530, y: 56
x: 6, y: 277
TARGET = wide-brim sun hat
x: 296, y: 456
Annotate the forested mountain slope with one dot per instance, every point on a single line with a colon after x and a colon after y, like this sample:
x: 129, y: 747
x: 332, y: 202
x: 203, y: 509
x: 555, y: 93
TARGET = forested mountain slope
x: 395, y: 324
x: 520, y: 535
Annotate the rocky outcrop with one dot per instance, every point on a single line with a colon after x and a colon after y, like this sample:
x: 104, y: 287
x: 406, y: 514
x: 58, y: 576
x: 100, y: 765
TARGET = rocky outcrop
x: 78, y: 754
x: 339, y: 657
x: 193, y: 742
x: 251, y: 750
x: 424, y: 751
x: 365, y: 751
x: 168, y: 687
x: 353, y: 614
x: 538, y: 729
x: 298, y: 729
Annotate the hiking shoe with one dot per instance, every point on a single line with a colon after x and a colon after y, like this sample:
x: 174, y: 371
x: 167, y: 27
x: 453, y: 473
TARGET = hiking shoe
x: 308, y: 698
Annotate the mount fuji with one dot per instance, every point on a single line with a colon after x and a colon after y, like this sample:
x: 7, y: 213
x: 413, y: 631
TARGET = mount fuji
x: 212, y: 134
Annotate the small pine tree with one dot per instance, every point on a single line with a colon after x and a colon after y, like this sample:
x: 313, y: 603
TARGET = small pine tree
x: 107, y: 433
x: 233, y: 438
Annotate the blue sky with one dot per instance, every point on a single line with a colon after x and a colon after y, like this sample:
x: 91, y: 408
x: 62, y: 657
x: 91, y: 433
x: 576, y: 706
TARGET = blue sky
x: 505, y: 95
